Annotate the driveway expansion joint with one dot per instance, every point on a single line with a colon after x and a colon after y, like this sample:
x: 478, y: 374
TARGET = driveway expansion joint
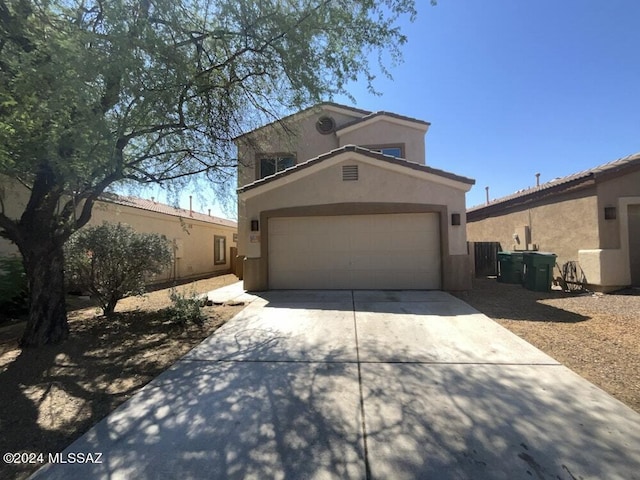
x: 367, y: 467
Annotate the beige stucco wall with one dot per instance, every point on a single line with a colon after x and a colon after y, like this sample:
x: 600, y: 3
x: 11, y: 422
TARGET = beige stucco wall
x: 322, y: 185
x: 376, y: 184
x: 195, y: 236
x: 609, y: 193
x: 574, y: 227
x: 610, y: 265
x: 382, y: 131
x: 562, y: 227
x: 297, y: 135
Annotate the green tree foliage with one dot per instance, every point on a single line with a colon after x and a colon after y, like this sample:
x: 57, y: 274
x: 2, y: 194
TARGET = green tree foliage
x: 97, y: 92
x: 113, y: 261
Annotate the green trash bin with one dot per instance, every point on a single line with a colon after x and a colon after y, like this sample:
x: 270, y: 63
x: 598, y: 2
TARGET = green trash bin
x: 510, y: 267
x: 538, y: 270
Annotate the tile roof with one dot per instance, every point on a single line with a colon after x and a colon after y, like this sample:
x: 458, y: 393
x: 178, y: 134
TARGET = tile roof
x: 560, y: 185
x: 356, y: 110
x: 382, y: 113
x: 363, y: 151
x: 153, y: 206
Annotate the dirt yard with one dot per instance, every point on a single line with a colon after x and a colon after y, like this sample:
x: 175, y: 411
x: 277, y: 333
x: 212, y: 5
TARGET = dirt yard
x: 51, y: 396
x: 597, y: 336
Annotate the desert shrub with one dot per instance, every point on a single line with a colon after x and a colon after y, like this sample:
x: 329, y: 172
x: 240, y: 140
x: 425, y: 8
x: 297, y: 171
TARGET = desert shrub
x: 113, y: 261
x: 185, y: 309
x: 14, y: 289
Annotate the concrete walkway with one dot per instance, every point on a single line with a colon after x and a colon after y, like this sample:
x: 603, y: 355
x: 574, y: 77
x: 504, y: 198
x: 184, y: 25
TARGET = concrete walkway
x: 363, y: 384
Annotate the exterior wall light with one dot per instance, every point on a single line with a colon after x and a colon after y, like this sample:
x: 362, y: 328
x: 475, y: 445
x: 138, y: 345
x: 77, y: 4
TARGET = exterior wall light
x: 255, y: 225
x: 455, y: 219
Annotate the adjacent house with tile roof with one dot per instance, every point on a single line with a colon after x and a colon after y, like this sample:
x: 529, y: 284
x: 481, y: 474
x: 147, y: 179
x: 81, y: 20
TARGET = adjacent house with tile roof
x: 202, y: 244
x: 592, y: 217
x: 336, y: 197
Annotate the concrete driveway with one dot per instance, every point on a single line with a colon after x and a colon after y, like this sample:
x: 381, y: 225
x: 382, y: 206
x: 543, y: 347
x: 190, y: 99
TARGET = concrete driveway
x: 363, y: 384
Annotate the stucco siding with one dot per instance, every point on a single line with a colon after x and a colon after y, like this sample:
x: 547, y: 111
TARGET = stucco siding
x: 384, y: 132
x: 298, y: 136
x: 562, y: 227
x: 375, y: 184
x: 194, y: 257
x: 609, y: 193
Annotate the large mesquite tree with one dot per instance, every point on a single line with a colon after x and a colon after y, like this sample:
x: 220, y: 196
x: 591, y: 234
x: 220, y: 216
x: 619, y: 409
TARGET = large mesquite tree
x: 95, y: 92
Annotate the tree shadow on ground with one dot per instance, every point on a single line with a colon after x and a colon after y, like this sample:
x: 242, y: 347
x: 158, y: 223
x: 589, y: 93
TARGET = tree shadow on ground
x: 229, y: 419
x: 495, y: 421
x: 52, y: 394
x: 514, y: 302
x: 304, y: 419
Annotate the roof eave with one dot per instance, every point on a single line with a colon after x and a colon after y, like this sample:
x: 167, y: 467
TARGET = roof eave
x: 363, y: 151
x: 500, y: 207
x: 336, y: 107
x: 421, y: 125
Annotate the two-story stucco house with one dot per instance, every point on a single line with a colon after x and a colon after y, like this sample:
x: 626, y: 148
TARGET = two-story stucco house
x: 335, y: 197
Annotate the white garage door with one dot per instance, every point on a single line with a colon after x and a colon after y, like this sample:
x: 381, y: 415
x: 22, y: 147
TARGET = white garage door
x: 395, y: 251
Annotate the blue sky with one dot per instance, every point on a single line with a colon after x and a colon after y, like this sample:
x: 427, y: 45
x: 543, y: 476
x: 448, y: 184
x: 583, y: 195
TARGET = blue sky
x: 515, y: 87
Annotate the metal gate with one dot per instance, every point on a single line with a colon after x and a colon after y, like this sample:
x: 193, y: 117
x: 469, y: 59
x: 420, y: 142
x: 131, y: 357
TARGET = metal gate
x: 486, y: 258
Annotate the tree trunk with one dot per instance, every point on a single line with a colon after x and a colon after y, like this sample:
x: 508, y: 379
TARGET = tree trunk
x: 109, y: 309
x: 44, y: 265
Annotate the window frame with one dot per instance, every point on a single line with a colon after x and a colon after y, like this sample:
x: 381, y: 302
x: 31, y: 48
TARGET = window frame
x: 217, y: 258
x: 384, y: 146
x: 277, y: 157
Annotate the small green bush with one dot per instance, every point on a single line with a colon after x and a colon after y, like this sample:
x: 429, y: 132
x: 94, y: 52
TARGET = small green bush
x: 113, y: 261
x: 185, y: 309
x: 14, y: 288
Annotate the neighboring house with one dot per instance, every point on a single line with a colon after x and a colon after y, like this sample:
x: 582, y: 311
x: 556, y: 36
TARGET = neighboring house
x: 592, y: 217
x: 202, y: 244
x: 335, y: 197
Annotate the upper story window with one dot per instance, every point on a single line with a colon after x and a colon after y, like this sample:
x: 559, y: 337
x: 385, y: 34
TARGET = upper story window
x: 393, y: 150
x: 275, y: 163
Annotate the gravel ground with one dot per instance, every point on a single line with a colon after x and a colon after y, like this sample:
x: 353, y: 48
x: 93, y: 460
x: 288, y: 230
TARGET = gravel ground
x: 595, y: 335
x: 52, y: 395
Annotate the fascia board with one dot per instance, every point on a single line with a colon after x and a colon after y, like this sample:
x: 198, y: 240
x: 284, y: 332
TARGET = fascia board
x: 328, y: 163
x: 398, y: 121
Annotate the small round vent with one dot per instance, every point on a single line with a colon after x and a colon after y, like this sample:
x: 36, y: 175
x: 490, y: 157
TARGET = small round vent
x: 326, y: 125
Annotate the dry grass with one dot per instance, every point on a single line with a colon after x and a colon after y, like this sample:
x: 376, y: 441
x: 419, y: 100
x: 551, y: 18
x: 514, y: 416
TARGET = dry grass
x: 593, y: 334
x: 51, y: 396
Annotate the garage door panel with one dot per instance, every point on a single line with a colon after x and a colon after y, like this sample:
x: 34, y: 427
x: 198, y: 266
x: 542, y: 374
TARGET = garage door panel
x: 399, y: 251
